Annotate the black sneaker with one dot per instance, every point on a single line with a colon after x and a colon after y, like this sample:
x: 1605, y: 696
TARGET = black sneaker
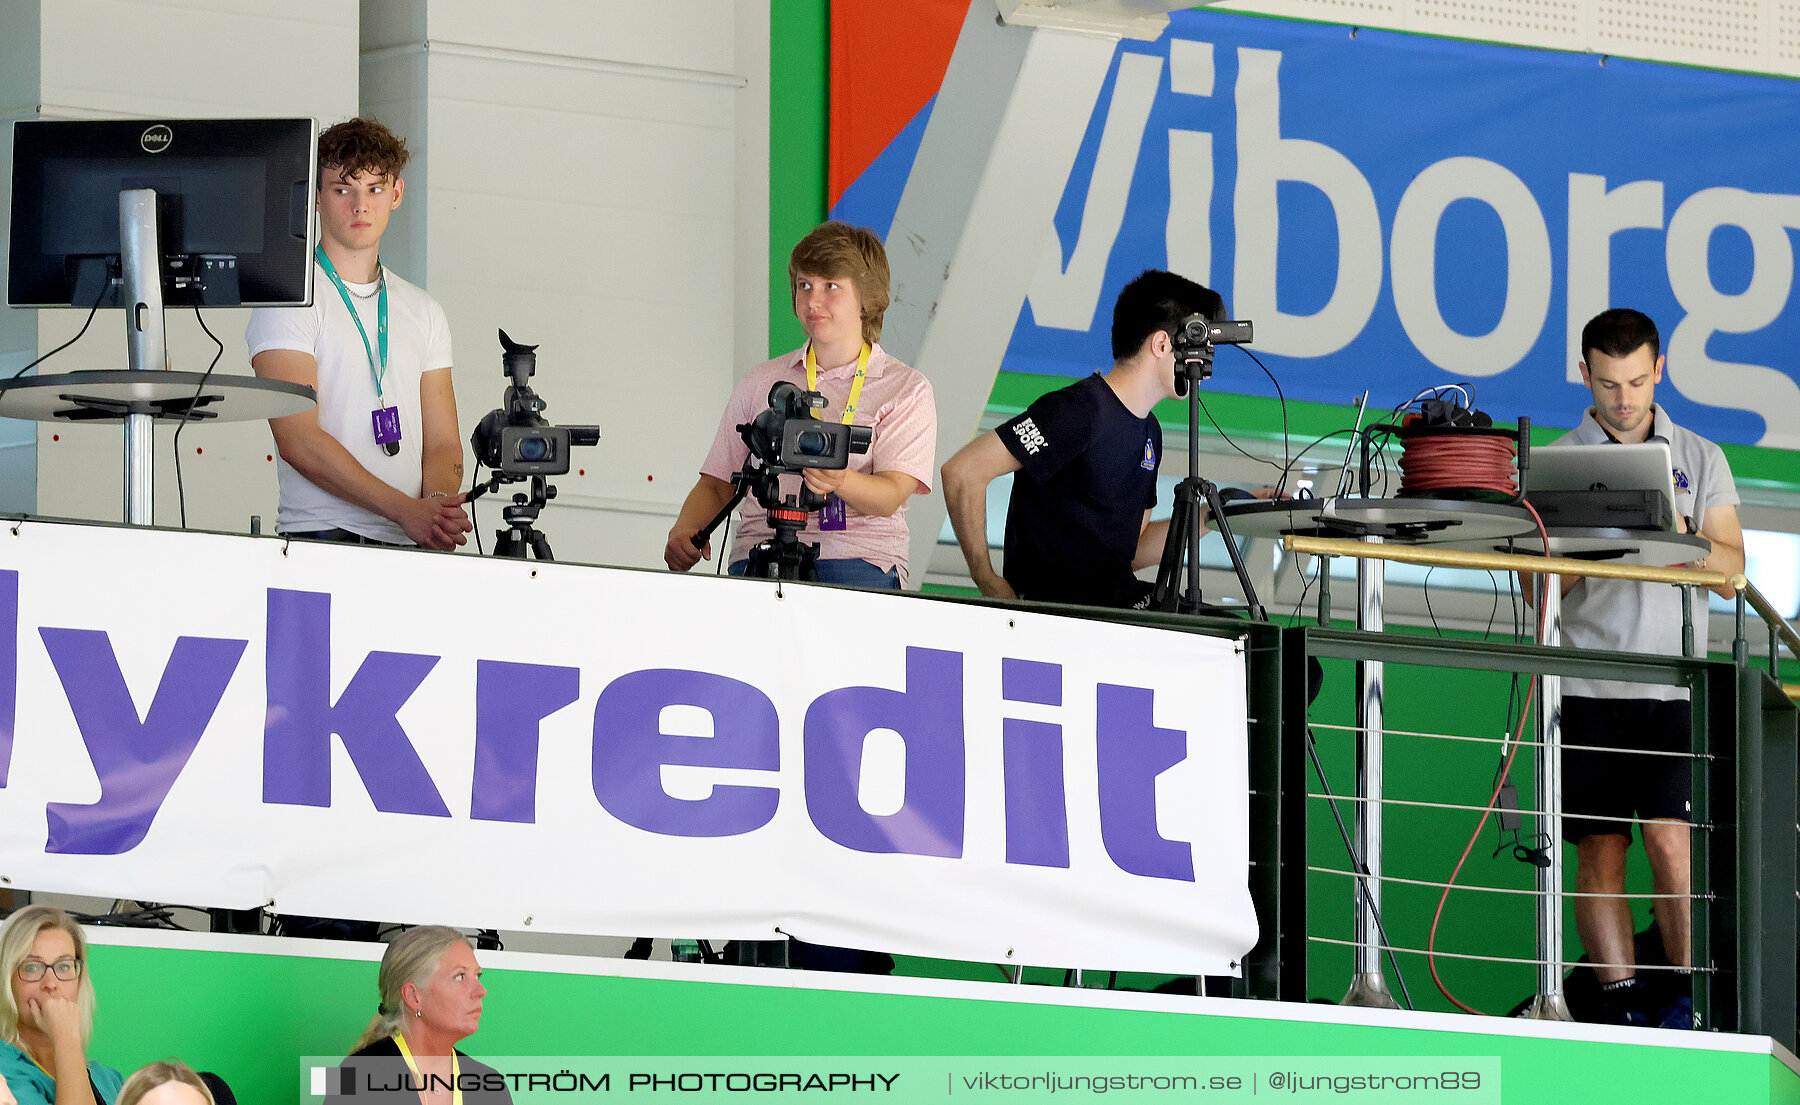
x: 1680, y: 1015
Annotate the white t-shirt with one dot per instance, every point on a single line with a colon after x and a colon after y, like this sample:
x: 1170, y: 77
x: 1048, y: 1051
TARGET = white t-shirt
x: 418, y: 342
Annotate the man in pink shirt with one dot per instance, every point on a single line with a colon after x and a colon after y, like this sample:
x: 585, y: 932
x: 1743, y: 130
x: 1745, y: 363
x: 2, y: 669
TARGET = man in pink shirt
x: 839, y: 276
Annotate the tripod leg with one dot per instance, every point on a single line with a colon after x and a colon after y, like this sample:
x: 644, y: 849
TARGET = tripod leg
x: 1168, y: 572
x: 761, y: 556
x: 1237, y: 558
x: 793, y: 557
x: 540, y: 546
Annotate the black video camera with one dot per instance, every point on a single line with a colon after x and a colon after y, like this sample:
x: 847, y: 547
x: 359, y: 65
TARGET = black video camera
x: 1194, y: 338
x: 516, y: 440
x: 789, y: 437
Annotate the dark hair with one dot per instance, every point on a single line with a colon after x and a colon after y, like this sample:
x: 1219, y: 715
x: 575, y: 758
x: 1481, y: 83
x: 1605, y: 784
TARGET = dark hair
x: 1620, y: 332
x: 1157, y: 300
x: 361, y: 146
x: 844, y: 252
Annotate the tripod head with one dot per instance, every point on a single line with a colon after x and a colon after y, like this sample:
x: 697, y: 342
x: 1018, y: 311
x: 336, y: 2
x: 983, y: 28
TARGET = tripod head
x: 784, y: 555
x: 784, y: 440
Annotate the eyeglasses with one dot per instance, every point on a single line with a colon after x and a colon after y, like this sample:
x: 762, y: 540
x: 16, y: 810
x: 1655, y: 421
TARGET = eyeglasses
x: 68, y: 970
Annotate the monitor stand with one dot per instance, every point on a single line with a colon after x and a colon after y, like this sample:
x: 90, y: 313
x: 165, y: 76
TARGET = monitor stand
x: 147, y: 391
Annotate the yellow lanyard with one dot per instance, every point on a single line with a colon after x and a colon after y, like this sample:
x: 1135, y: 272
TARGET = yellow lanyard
x: 455, y: 1069
x: 862, y: 373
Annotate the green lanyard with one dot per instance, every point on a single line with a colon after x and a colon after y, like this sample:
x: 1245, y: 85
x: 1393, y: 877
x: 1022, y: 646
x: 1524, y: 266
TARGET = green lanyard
x: 381, y: 317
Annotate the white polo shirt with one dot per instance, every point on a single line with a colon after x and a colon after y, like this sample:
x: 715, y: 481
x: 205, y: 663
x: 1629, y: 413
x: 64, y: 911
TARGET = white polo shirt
x: 1625, y: 616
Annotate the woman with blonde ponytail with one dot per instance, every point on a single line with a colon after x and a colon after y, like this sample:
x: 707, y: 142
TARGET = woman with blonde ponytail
x: 430, y: 1000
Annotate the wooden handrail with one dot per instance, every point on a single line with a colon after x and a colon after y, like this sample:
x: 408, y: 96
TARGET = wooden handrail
x: 1509, y: 562
x: 1773, y: 617
x: 1552, y: 565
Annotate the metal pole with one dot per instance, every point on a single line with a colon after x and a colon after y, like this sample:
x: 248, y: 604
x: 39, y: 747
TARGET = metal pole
x: 1740, y: 647
x: 146, y: 344
x: 1195, y: 526
x: 1324, y: 590
x: 1367, y: 986
x: 1549, y: 1004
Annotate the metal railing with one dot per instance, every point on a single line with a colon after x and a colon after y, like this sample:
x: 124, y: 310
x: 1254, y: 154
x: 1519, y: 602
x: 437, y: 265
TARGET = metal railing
x: 1746, y: 824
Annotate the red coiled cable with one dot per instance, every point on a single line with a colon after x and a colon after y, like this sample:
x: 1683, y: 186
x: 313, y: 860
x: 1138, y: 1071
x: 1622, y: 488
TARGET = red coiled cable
x: 1453, y: 461
x: 1493, y: 802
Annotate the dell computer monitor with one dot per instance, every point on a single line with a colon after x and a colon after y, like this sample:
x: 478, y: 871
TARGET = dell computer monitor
x: 234, y: 201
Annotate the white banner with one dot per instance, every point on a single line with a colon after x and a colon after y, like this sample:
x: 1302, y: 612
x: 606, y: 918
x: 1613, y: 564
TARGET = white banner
x: 401, y: 736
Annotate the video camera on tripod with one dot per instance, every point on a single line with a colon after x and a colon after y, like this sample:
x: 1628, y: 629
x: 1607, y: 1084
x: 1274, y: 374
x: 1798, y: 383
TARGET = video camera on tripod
x: 516, y: 442
x: 789, y: 437
x: 783, y: 440
x: 1194, y: 338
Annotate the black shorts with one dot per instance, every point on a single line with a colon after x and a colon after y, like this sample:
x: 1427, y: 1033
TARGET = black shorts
x: 1616, y: 784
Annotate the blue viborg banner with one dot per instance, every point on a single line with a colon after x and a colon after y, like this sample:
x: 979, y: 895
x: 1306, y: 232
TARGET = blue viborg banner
x: 1396, y: 212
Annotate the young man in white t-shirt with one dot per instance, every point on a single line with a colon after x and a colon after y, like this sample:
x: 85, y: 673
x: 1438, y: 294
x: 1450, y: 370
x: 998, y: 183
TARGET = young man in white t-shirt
x: 379, y: 460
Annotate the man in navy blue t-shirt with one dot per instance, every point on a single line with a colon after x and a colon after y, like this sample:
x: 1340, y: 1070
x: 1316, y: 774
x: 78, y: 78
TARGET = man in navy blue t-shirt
x: 1085, y: 460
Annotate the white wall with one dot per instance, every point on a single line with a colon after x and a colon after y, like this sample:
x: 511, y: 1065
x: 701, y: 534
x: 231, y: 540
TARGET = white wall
x: 1756, y: 36
x: 592, y: 176
x: 18, y: 329
x: 593, y: 179
x: 140, y: 58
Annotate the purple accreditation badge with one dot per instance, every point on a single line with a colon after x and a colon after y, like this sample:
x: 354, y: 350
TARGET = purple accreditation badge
x: 387, y: 429
x: 832, y: 515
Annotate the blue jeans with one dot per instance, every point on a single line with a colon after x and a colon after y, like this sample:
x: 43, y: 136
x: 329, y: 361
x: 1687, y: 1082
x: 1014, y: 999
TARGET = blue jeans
x: 854, y: 573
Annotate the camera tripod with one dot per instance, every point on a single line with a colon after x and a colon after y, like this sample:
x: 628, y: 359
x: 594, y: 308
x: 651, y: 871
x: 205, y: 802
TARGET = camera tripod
x: 783, y: 555
x: 521, y: 538
x: 1193, y: 365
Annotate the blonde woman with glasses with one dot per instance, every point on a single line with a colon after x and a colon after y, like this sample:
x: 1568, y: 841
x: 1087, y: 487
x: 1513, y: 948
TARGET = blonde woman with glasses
x: 47, y: 1013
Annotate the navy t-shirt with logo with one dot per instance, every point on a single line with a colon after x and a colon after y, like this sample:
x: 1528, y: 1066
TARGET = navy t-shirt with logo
x: 1087, y: 474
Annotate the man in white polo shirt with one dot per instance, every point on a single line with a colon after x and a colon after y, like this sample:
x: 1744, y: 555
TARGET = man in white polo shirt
x: 1604, y: 791
x: 379, y: 461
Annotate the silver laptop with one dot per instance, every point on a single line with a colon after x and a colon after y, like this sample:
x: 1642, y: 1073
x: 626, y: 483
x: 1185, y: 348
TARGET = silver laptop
x: 1608, y: 467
